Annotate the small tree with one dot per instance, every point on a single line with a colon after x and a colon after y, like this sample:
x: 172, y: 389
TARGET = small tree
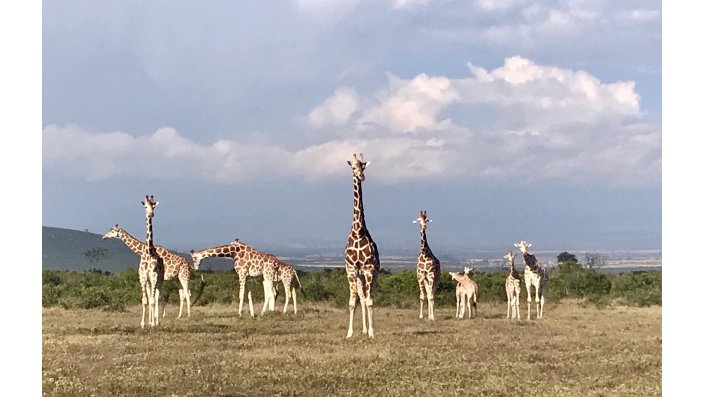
x: 566, y: 257
x: 95, y: 254
x: 594, y: 260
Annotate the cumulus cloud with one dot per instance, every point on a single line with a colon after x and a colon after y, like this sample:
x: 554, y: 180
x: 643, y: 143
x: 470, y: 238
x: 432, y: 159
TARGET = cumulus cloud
x: 521, y: 121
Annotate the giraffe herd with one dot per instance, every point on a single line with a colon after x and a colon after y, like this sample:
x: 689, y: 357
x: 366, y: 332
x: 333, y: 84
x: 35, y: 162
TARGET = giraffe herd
x: 361, y: 266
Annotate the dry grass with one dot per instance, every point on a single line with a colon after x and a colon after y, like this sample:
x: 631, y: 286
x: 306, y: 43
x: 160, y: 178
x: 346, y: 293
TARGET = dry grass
x: 573, y: 351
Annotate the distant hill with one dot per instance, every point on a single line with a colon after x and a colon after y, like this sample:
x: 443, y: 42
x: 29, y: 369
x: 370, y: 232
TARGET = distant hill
x: 76, y: 250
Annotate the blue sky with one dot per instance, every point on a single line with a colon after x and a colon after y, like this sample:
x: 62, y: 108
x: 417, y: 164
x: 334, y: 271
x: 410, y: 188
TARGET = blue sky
x: 505, y: 120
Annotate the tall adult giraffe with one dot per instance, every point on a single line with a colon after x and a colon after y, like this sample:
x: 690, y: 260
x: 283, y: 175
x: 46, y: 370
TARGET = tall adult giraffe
x: 151, y: 267
x: 361, y: 255
x: 534, y: 275
x: 175, y: 266
x: 247, y: 262
x: 428, y: 269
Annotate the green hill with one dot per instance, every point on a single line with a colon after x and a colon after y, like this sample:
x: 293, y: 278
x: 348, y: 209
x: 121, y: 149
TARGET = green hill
x: 76, y: 250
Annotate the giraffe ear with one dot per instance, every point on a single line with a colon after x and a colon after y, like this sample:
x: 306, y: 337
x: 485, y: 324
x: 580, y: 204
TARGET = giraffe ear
x: 528, y: 245
x: 349, y: 163
x: 430, y: 220
x: 156, y: 203
x: 366, y: 163
x: 192, y: 251
x: 516, y: 245
x: 415, y: 221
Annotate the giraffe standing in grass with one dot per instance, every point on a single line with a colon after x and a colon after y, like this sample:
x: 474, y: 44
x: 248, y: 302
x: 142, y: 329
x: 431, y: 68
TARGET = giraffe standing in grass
x: 361, y: 255
x: 151, y: 267
x: 286, y: 274
x: 247, y: 262
x: 175, y: 266
x: 512, y: 285
x: 428, y: 269
x: 468, y: 293
x: 534, y: 275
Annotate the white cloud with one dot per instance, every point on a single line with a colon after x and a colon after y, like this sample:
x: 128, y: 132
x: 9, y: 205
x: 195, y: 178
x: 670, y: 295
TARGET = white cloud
x: 538, y: 122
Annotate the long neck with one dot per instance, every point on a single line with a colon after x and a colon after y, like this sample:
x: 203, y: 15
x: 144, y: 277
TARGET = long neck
x: 150, y: 236
x: 358, y: 222
x: 132, y: 243
x: 227, y: 250
x: 424, y: 241
x: 530, y: 260
x: 511, y: 266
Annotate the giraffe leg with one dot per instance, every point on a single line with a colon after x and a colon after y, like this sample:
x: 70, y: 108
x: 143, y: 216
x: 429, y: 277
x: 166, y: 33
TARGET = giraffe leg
x: 422, y: 296
x: 241, y: 293
x: 363, y: 303
x: 538, y: 303
x: 368, y: 294
x: 510, y: 303
x: 528, y: 298
x: 293, y: 297
x: 249, y: 300
x: 182, y: 298
x: 187, y: 296
x: 268, y: 288
x: 457, y: 305
x: 352, y: 302
x: 287, y: 296
x: 145, y: 302
x: 156, y: 306
x: 429, y: 293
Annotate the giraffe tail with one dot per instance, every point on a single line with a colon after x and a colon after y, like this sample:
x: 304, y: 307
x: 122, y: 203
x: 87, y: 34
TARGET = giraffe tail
x: 201, y: 287
x: 301, y: 287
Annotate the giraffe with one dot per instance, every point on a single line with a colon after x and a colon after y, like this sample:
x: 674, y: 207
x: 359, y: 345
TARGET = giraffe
x: 512, y: 285
x: 361, y: 255
x: 286, y: 274
x: 534, y: 275
x: 468, y: 293
x: 460, y: 295
x: 175, y: 266
x: 151, y: 267
x: 247, y: 262
x: 428, y: 269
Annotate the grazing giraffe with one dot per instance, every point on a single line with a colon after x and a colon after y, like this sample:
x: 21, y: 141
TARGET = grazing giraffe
x: 247, y: 262
x: 361, y: 255
x: 428, y: 269
x: 534, y: 275
x: 512, y: 285
x: 286, y: 273
x: 175, y: 266
x: 468, y: 293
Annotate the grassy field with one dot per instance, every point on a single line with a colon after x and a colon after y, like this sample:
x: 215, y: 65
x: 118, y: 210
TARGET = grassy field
x: 575, y: 350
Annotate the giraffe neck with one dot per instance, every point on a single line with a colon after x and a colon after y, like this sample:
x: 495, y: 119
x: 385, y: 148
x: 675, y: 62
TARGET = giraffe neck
x: 530, y: 261
x: 150, y: 237
x: 227, y: 250
x: 424, y: 241
x: 132, y: 243
x: 358, y: 222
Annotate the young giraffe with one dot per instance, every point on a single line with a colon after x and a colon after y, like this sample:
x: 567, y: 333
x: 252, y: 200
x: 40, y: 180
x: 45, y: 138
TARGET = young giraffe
x: 469, y: 290
x: 286, y: 274
x: 512, y: 285
x: 361, y: 255
x: 247, y: 262
x: 175, y: 266
x: 428, y: 269
x: 460, y: 296
x: 151, y: 268
x: 534, y: 275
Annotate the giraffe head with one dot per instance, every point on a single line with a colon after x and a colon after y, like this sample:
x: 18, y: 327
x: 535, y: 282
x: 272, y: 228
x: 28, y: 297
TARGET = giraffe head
x: 114, y: 232
x: 358, y: 165
x: 149, y: 204
x: 422, y: 220
x: 457, y: 276
x: 510, y: 256
x: 523, y: 246
x: 196, y: 257
x: 468, y: 270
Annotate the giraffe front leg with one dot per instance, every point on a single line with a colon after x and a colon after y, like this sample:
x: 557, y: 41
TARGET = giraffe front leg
x: 187, y: 297
x: 422, y: 297
x: 429, y: 293
x: 268, y: 288
x: 368, y: 294
x: 243, y: 287
x: 182, y: 298
x: 538, y: 304
x: 145, y: 302
x: 361, y: 292
x: 352, y: 302
x: 252, y: 307
x: 287, y: 296
x: 156, y: 307
x: 293, y: 297
x: 528, y: 306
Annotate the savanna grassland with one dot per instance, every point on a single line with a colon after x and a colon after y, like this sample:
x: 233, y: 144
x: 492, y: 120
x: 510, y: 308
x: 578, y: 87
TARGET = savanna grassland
x: 577, y: 349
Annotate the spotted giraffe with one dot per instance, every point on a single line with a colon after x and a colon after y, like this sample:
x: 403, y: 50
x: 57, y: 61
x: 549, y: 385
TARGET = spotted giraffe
x: 468, y: 290
x: 428, y: 269
x: 151, y: 268
x: 534, y: 275
x: 247, y: 262
x: 175, y: 266
x: 361, y: 255
x: 512, y: 285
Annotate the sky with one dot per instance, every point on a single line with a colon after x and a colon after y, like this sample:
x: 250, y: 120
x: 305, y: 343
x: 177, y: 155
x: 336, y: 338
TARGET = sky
x: 506, y: 120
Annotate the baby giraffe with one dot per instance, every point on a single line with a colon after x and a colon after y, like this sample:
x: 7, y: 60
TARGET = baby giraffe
x: 467, y: 294
x: 512, y: 285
